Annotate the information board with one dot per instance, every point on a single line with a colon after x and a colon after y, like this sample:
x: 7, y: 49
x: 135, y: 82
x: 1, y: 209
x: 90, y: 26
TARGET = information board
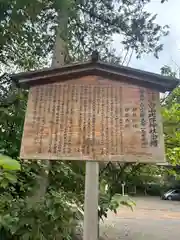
x: 91, y: 118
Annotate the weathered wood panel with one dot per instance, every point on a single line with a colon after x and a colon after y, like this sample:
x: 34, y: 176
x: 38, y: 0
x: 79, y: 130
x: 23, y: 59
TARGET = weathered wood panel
x: 93, y: 118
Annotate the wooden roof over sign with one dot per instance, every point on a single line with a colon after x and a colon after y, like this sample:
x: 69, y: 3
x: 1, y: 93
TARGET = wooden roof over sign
x: 98, y: 68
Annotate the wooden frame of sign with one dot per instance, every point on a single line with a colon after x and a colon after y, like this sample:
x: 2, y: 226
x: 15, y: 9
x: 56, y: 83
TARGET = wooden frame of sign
x: 94, y: 111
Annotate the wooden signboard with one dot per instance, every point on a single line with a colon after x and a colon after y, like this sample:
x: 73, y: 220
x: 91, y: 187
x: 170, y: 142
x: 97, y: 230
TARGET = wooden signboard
x: 91, y: 118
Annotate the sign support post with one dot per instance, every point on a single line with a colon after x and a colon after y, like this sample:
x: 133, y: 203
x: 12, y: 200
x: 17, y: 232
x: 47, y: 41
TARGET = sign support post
x: 91, y: 201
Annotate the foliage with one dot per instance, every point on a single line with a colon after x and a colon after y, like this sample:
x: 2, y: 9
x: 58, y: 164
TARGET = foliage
x: 138, y: 177
x: 172, y: 133
x: 8, y: 163
x: 144, y: 174
x: 167, y: 71
x: 107, y: 201
x: 53, y: 218
x: 29, y: 26
x: 171, y: 119
x: 7, y: 171
x: 171, y: 123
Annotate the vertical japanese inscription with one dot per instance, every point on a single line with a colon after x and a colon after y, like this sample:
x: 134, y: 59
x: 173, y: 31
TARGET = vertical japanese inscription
x: 143, y: 118
x: 134, y: 118
x: 40, y: 120
x: 50, y: 88
x: 102, y: 129
x: 121, y: 121
x: 35, y: 100
x: 152, y: 119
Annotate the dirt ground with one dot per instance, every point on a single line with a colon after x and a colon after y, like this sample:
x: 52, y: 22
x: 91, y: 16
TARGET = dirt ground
x: 152, y: 219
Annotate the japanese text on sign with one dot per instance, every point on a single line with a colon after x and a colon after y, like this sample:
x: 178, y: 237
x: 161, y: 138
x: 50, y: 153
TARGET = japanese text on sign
x: 92, y: 118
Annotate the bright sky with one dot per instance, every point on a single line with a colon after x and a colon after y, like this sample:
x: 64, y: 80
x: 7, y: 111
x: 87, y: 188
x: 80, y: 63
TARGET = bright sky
x: 168, y: 14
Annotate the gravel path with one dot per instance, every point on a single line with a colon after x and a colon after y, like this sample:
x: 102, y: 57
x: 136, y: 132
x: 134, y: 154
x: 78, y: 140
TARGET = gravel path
x: 152, y: 218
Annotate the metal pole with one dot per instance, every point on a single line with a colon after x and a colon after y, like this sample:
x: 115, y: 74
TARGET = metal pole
x: 91, y: 201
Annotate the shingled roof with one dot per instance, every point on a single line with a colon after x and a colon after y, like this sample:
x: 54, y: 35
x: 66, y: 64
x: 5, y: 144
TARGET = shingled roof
x: 98, y: 68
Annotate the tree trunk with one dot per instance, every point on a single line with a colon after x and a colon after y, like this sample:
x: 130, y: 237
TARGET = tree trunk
x: 58, y: 60
x: 60, y: 47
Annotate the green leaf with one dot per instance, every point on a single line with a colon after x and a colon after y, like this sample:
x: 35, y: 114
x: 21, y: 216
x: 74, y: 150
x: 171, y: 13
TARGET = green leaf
x: 4, y: 183
x: 9, y: 163
x: 11, y: 177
